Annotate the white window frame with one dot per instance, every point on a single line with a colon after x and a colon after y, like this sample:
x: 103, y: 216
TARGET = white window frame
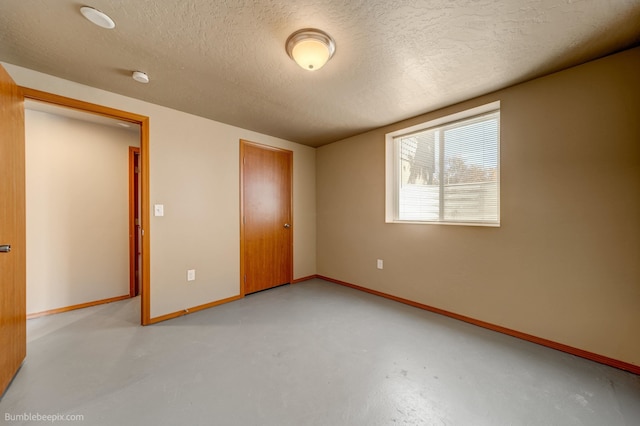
x: 392, y: 164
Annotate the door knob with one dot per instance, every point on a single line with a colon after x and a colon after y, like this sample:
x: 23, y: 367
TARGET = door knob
x: 5, y: 248
x: 286, y: 225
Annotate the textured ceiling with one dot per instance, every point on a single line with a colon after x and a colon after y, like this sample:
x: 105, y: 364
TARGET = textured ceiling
x: 225, y: 59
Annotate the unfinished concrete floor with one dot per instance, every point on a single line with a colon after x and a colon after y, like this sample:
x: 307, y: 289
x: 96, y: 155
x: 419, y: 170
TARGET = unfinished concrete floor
x: 313, y: 353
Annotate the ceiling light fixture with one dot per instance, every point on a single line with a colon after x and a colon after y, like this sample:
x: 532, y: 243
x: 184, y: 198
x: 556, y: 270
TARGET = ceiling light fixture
x: 99, y: 18
x: 310, y: 48
x: 140, y: 77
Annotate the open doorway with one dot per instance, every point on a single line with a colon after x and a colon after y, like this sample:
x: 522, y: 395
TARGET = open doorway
x: 137, y: 198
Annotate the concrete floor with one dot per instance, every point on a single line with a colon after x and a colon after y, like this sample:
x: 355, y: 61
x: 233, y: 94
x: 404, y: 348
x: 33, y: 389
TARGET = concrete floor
x: 313, y: 353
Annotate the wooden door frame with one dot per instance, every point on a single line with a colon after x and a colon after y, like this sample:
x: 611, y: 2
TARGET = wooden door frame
x: 134, y: 186
x: 143, y: 122
x: 243, y: 144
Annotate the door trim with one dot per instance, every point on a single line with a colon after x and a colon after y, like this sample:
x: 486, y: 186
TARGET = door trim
x: 143, y: 121
x: 78, y: 306
x: 243, y: 144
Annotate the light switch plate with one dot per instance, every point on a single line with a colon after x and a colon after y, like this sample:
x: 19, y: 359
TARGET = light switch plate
x: 158, y: 209
x: 191, y: 274
x: 380, y: 264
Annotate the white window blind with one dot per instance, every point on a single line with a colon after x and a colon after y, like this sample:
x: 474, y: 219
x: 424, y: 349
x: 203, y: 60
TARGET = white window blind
x: 450, y: 172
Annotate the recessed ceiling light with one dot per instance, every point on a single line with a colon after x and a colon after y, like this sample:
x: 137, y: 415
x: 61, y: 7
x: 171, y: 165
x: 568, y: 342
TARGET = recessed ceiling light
x: 140, y: 77
x: 97, y: 17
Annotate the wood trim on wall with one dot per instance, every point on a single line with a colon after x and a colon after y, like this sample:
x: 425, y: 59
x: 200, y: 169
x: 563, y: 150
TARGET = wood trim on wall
x: 299, y: 280
x: 241, y: 201
x: 79, y: 306
x: 143, y: 121
x: 188, y: 311
x: 514, y: 333
x: 65, y: 102
x: 212, y: 304
x: 145, y: 279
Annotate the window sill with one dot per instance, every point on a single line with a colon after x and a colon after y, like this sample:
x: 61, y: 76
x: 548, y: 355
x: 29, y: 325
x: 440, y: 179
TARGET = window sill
x: 419, y: 222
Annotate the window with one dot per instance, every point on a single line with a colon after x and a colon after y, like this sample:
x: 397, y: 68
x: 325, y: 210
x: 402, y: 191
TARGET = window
x: 446, y: 170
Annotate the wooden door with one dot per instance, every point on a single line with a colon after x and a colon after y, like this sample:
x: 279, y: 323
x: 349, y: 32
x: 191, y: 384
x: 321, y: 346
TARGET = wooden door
x: 135, y: 228
x: 266, y: 223
x: 13, y: 303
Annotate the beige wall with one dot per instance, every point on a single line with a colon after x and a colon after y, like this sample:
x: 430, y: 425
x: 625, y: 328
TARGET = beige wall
x: 77, y: 211
x: 194, y: 172
x: 565, y: 263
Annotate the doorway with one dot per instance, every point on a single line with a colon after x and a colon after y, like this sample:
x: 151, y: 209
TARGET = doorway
x: 143, y: 192
x: 266, y: 230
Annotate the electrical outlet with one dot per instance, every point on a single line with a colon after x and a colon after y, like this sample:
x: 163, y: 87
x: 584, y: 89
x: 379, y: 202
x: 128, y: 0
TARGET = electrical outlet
x: 380, y: 264
x: 191, y: 274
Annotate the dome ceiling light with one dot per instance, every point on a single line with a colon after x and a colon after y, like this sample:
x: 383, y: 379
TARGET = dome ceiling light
x: 310, y: 48
x: 99, y: 18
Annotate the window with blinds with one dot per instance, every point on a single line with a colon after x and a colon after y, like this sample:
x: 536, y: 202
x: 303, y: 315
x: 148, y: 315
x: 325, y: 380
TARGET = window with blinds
x: 449, y: 171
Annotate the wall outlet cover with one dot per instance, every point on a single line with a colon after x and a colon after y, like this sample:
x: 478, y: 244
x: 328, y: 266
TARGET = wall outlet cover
x: 191, y: 275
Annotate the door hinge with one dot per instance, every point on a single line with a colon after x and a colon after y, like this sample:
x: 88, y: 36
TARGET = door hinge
x: 137, y: 222
x: 136, y: 170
